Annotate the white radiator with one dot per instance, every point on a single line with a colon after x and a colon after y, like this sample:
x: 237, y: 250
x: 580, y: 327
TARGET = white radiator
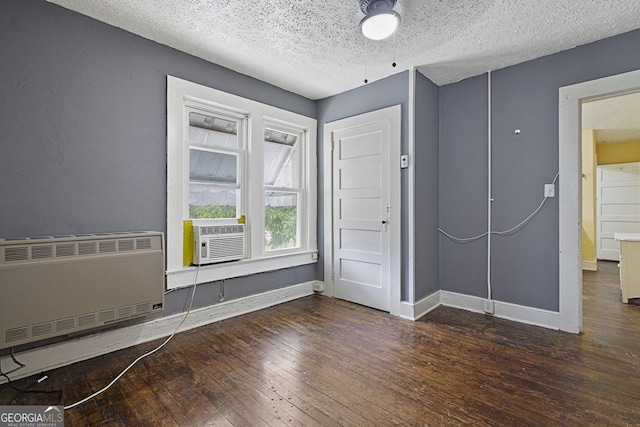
x: 51, y: 286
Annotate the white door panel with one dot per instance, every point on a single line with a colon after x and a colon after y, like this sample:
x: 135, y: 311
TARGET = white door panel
x: 362, y: 224
x: 361, y: 193
x: 617, y: 206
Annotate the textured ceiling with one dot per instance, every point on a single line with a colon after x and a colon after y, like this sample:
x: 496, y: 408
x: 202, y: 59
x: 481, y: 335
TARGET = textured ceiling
x: 314, y: 48
x: 615, y: 119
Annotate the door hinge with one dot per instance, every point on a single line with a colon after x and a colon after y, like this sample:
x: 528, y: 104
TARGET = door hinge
x: 332, y: 143
x: 332, y: 275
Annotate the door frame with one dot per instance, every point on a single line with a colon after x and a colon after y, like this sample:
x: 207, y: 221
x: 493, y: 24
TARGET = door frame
x: 570, y: 187
x: 394, y: 115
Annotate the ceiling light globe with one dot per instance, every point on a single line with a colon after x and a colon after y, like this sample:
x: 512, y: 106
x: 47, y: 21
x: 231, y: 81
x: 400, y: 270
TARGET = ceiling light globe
x: 380, y: 25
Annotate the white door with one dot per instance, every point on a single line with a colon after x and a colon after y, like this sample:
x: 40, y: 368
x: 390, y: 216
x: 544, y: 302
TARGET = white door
x: 617, y: 206
x: 363, y: 217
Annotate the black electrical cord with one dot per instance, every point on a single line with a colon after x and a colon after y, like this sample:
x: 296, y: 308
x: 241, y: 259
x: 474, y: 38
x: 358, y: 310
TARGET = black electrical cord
x: 27, y: 390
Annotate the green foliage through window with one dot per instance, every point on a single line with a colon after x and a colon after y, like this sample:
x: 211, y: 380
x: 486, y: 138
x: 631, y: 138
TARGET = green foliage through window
x: 280, y: 227
x: 211, y: 211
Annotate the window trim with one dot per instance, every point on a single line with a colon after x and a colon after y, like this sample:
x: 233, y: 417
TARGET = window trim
x: 299, y: 190
x: 181, y: 95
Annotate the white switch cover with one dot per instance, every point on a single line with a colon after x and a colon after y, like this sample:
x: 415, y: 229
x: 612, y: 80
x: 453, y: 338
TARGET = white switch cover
x: 549, y: 190
x: 404, y: 161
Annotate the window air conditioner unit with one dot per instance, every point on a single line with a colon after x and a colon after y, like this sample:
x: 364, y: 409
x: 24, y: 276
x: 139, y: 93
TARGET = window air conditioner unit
x: 218, y: 243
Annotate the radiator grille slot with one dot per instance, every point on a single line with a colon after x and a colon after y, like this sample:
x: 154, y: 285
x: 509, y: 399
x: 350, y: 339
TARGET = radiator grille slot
x: 143, y: 244
x: 42, y: 329
x: 42, y: 252
x: 87, y: 319
x: 60, y: 285
x: 65, y: 324
x: 16, y: 254
x: 125, y: 245
x: 16, y: 334
x: 66, y: 249
x: 143, y: 307
x: 107, y: 315
x: 127, y: 311
x: 107, y: 247
x: 87, y: 248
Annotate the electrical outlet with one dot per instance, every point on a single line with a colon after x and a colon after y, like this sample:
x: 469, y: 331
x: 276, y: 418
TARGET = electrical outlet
x: 488, y: 306
x: 549, y: 190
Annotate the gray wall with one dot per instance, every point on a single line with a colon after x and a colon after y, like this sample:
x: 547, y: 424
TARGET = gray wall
x: 426, y: 184
x: 83, y: 148
x: 83, y: 131
x: 383, y: 93
x: 463, y: 185
x: 525, y: 97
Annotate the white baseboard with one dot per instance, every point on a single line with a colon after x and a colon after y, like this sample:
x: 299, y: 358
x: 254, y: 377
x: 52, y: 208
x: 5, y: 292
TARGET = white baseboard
x: 462, y: 301
x: 503, y: 310
x: 65, y: 353
x: 590, y: 265
x: 415, y: 311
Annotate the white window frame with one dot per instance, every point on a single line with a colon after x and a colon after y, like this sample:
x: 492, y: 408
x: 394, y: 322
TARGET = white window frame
x: 183, y: 95
x: 190, y: 106
x: 299, y: 190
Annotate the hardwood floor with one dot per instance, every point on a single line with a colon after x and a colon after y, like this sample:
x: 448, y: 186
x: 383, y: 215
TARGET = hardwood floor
x: 320, y: 361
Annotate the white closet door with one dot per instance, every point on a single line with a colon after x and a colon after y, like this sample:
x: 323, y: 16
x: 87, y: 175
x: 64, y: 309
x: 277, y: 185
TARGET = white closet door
x: 617, y: 206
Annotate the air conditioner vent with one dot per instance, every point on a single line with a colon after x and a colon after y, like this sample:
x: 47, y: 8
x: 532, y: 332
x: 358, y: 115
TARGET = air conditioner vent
x: 16, y: 254
x: 218, y: 243
x: 226, y: 246
x: 42, y: 252
x: 221, y: 229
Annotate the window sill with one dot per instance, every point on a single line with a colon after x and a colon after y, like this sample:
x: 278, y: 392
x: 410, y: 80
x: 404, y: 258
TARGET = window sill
x: 185, y: 276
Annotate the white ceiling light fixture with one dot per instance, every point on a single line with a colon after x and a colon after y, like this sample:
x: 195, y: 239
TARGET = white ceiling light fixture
x: 381, y: 20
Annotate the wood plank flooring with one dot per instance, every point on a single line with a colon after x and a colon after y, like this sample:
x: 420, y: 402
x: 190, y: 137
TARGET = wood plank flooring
x: 325, y: 362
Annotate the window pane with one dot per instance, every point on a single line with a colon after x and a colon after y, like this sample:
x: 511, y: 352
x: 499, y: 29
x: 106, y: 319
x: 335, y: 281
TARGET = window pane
x: 211, y: 167
x: 280, y: 165
x: 280, y: 221
x: 213, y: 131
x: 205, y: 202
